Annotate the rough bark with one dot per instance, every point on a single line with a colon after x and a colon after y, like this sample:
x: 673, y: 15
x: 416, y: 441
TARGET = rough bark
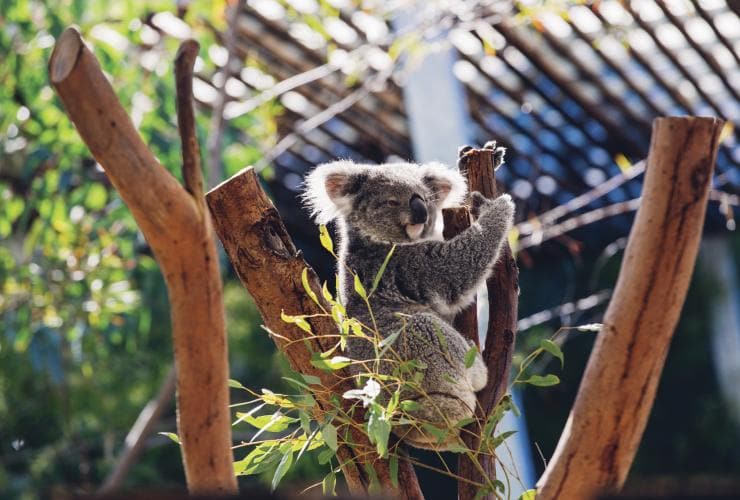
x: 179, y: 231
x: 605, y: 426
x: 503, y: 293
x: 270, y: 267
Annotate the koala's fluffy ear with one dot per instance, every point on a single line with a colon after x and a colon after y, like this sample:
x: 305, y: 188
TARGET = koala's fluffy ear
x: 329, y: 188
x: 448, y: 185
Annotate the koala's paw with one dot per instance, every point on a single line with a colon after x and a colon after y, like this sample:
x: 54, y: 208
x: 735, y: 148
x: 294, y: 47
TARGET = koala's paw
x: 477, y: 203
x: 503, y: 206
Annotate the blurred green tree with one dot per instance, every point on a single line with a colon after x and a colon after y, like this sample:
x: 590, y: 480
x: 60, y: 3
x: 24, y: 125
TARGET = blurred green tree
x: 83, y: 308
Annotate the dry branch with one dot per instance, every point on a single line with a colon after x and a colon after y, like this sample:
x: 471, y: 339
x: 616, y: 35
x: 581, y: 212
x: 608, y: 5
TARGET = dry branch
x: 181, y: 237
x: 503, y: 294
x: 608, y: 418
x: 270, y: 267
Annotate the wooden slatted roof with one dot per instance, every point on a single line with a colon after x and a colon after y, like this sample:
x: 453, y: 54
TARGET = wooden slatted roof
x: 571, y: 94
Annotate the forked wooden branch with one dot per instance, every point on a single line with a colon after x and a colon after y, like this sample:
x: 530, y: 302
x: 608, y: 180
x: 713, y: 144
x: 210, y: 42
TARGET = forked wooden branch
x: 181, y: 236
x: 605, y: 426
x: 503, y: 293
x: 270, y: 267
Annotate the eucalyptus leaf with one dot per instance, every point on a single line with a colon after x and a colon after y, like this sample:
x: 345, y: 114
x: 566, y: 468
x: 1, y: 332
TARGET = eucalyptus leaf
x: 542, y: 381
x: 282, y: 468
x: 554, y: 349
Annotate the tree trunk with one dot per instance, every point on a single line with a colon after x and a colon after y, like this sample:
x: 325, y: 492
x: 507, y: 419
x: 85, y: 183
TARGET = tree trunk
x: 270, y: 267
x: 178, y: 228
x: 608, y: 418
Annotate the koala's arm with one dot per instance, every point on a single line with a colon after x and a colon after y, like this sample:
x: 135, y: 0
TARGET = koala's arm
x: 450, y: 271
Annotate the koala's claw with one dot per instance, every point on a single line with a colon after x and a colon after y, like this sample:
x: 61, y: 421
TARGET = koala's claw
x: 462, y: 150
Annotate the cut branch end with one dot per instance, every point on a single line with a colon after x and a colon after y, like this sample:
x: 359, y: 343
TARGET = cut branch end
x: 65, y: 55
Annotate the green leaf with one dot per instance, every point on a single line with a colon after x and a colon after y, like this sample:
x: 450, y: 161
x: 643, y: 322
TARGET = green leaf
x: 381, y: 271
x: 528, y: 495
x: 464, y: 421
x: 470, y: 356
x: 298, y: 321
x: 305, y: 421
x: 553, y: 349
x: 387, y: 342
x: 410, y: 405
x: 541, y: 381
x: 379, y: 429
x: 393, y: 465
x: 277, y: 422
x: 172, y: 436
x: 311, y: 379
x: 97, y: 197
x: 258, y: 460
x: 271, y: 398
x: 303, y: 444
x: 332, y: 364
x: 458, y: 447
x: 327, y: 294
x: 325, y: 239
x: 325, y: 456
x: 498, y: 440
x: 307, y: 286
x: 282, y: 468
x: 235, y: 384
x: 329, y: 434
x: 359, y: 288
x: 328, y: 485
x: 483, y: 492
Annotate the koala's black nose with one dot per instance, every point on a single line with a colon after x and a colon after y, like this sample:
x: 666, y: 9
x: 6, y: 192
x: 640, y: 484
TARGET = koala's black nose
x: 418, y: 210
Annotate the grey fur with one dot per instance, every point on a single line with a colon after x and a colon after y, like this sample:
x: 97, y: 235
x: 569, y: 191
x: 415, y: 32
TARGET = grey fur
x: 427, y: 280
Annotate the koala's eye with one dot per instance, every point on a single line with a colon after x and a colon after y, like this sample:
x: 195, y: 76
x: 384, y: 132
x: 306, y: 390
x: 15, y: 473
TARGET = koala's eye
x: 392, y: 202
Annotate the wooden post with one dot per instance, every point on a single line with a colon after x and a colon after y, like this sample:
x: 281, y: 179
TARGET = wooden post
x: 178, y: 229
x: 478, y: 166
x: 270, y: 267
x: 605, y: 426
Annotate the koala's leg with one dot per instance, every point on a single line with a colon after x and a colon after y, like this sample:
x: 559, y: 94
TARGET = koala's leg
x: 447, y: 388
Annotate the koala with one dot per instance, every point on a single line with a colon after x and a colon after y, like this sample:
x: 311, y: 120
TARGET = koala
x: 426, y: 282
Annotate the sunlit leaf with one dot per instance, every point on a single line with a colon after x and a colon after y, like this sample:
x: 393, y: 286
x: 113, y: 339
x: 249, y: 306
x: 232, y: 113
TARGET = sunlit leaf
x: 172, y: 436
x: 307, y: 286
x: 325, y: 238
x: 334, y: 363
x: 528, y: 495
x: 359, y: 288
